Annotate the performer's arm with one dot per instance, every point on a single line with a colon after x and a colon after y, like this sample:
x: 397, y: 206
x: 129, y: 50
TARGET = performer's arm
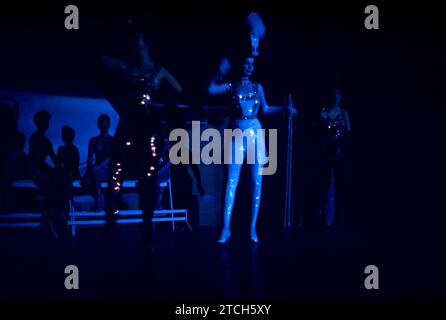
x: 113, y: 63
x: 166, y: 75
x: 52, y: 155
x: 267, y: 110
x: 90, y: 154
x: 217, y: 86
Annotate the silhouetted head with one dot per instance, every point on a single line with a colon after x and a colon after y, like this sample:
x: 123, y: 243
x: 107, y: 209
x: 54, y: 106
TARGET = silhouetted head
x: 104, y: 123
x: 68, y: 134
x: 42, y: 120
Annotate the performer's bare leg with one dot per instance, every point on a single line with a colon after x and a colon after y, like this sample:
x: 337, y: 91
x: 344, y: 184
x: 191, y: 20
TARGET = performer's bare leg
x: 231, y: 188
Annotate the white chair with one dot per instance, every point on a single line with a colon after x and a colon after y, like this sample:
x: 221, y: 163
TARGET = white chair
x: 87, y: 218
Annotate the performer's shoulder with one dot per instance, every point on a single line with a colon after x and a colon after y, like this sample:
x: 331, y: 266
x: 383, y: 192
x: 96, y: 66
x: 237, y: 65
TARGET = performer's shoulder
x: 257, y: 85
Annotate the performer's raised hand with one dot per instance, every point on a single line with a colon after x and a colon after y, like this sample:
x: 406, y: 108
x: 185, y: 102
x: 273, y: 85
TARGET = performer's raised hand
x: 224, y: 67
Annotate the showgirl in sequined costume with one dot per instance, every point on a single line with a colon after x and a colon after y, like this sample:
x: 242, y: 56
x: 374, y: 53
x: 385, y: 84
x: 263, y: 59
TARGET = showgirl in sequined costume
x: 246, y: 102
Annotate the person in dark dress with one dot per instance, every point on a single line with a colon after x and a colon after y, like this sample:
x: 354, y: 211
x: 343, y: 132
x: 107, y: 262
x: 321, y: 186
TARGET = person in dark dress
x: 335, y: 126
x: 138, y: 140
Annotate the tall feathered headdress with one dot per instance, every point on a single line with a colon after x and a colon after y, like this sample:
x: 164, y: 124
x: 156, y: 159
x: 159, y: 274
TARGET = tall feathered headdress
x: 256, y: 29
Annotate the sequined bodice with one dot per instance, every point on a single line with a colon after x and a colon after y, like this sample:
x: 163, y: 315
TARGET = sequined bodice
x: 335, y: 126
x: 246, y: 102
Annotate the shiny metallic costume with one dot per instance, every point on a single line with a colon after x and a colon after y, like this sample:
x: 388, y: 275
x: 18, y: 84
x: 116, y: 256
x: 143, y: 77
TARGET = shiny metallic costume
x: 244, y: 109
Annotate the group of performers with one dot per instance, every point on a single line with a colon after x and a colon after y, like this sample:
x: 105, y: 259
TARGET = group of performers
x: 139, y: 137
x: 137, y: 151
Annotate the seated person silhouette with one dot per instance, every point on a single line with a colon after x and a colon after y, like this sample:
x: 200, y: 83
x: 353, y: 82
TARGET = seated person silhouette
x: 99, y: 149
x: 40, y: 147
x: 46, y: 177
x: 68, y: 155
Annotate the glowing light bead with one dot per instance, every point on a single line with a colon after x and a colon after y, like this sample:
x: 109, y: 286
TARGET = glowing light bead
x: 149, y: 174
x: 128, y: 143
x: 152, y: 168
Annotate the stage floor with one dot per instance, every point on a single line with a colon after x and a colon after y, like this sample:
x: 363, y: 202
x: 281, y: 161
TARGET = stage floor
x: 190, y: 265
